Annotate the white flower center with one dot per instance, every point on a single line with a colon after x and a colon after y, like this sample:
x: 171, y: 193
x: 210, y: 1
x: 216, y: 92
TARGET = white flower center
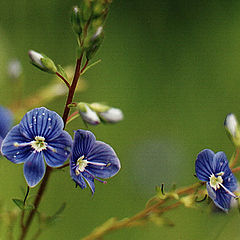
x: 39, y: 144
x: 81, y: 164
x: 216, y: 182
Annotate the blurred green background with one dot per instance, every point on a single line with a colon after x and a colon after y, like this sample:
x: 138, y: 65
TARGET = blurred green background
x: 173, y: 67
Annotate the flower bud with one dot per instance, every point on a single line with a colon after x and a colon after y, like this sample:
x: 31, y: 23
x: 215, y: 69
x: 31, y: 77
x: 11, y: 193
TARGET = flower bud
x: 232, y: 127
x: 106, y: 113
x: 42, y: 62
x: 87, y: 114
x: 76, y: 20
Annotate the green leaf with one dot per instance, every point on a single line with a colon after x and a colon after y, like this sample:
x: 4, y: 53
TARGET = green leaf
x: 61, y: 70
x: 91, y: 65
x: 19, y: 203
x: 52, y: 219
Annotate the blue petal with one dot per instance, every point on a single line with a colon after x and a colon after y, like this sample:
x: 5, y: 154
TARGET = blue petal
x: 204, y: 164
x: 6, y: 120
x: 220, y: 163
x: 220, y: 198
x: 59, y: 150
x: 230, y: 182
x: 77, y: 179
x: 41, y: 122
x: 83, y: 143
x: 34, y: 169
x: 103, y: 153
x: 90, y: 181
x: 13, y: 153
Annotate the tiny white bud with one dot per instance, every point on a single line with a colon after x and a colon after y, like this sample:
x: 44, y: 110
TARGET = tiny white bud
x: 231, y: 124
x: 88, y: 115
x: 97, y: 33
x: 14, y: 69
x: 112, y: 115
x: 36, y: 58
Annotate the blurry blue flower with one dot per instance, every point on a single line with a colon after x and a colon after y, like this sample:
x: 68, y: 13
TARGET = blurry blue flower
x: 214, y: 170
x: 38, y: 137
x: 91, y: 159
x: 6, y: 120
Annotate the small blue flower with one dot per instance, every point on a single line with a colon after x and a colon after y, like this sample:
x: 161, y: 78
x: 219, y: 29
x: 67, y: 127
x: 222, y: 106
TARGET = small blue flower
x: 38, y: 137
x: 214, y: 170
x: 91, y: 160
x: 6, y: 120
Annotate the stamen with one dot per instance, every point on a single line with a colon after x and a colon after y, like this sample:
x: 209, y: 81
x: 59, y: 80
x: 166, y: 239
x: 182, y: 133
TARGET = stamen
x: 16, y: 144
x: 97, y: 164
x: 228, y: 191
x: 104, y: 182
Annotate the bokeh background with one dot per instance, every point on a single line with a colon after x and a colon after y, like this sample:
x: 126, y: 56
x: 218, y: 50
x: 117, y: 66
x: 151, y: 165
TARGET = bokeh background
x: 173, y: 67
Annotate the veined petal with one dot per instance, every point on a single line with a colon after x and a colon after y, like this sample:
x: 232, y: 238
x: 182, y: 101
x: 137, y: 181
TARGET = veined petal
x: 230, y: 182
x: 34, y: 169
x: 78, y: 179
x: 104, y: 154
x: 14, y: 153
x: 204, y: 164
x: 41, y: 122
x: 6, y: 120
x: 83, y: 143
x: 220, y: 163
x: 90, y: 181
x: 223, y: 199
x: 58, y: 150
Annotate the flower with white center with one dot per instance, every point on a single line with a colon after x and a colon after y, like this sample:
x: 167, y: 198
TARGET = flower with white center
x: 38, y: 138
x: 91, y: 160
x: 214, y: 170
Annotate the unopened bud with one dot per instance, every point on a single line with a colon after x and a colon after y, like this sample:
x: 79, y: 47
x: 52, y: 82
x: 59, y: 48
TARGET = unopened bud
x: 87, y: 114
x: 112, y: 115
x: 42, y: 62
x: 232, y: 127
x: 76, y: 20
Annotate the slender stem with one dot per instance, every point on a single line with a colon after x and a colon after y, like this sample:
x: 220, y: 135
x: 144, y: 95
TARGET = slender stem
x: 72, y: 89
x: 43, y: 185
x: 72, y: 116
x: 85, y: 65
x: 65, y: 81
x: 63, y: 166
x: 113, y: 224
x: 36, y: 202
x: 235, y: 158
x: 23, y: 211
x: 236, y: 169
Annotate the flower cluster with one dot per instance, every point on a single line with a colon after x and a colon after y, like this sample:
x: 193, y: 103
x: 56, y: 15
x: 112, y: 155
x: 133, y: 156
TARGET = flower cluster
x: 40, y: 138
x: 214, y: 170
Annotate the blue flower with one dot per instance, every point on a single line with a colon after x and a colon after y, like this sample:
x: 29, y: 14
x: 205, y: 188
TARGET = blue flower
x: 6, y: 120
x: 91, y: 160
x: 214, y: 170
x: 38, y: 137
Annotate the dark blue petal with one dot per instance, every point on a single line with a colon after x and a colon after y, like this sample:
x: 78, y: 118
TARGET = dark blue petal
x: 104, y: 154
x: 41, y: 122
x: 77, y: 179
x: 34, y: 169
x: 83, y: 143
x: 230, y: 182
x: 220, y: 163
x: 220, y: 197
x: 90, y: 181
x: 203, y: 165
x: 6, y: 120
x: 13, y: 153
x: 58, y: 150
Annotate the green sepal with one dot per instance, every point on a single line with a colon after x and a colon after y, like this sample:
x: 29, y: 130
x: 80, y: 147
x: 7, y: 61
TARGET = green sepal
x: 76, y: 21
x: 98, y: 107
x: 49, y: 65
x: 19, y: 203
x: 61, y: 70
x: 81, y: 106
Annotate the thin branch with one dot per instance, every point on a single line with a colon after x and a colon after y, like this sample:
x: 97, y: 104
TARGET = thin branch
x: 65, y: 81
x: 235, y: 159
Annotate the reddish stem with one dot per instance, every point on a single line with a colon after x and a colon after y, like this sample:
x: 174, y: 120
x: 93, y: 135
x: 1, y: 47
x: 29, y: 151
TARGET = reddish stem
x: 72, y: 90
x: 85, y: 65
x: 65, y: 81
x: 235, y: 159
x: 72, y: 115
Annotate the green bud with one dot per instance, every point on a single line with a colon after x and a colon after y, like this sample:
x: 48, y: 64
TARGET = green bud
x: 76, y: 21
x: 98, y: 107
x: 42, y: 62
x: 86, y: 10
